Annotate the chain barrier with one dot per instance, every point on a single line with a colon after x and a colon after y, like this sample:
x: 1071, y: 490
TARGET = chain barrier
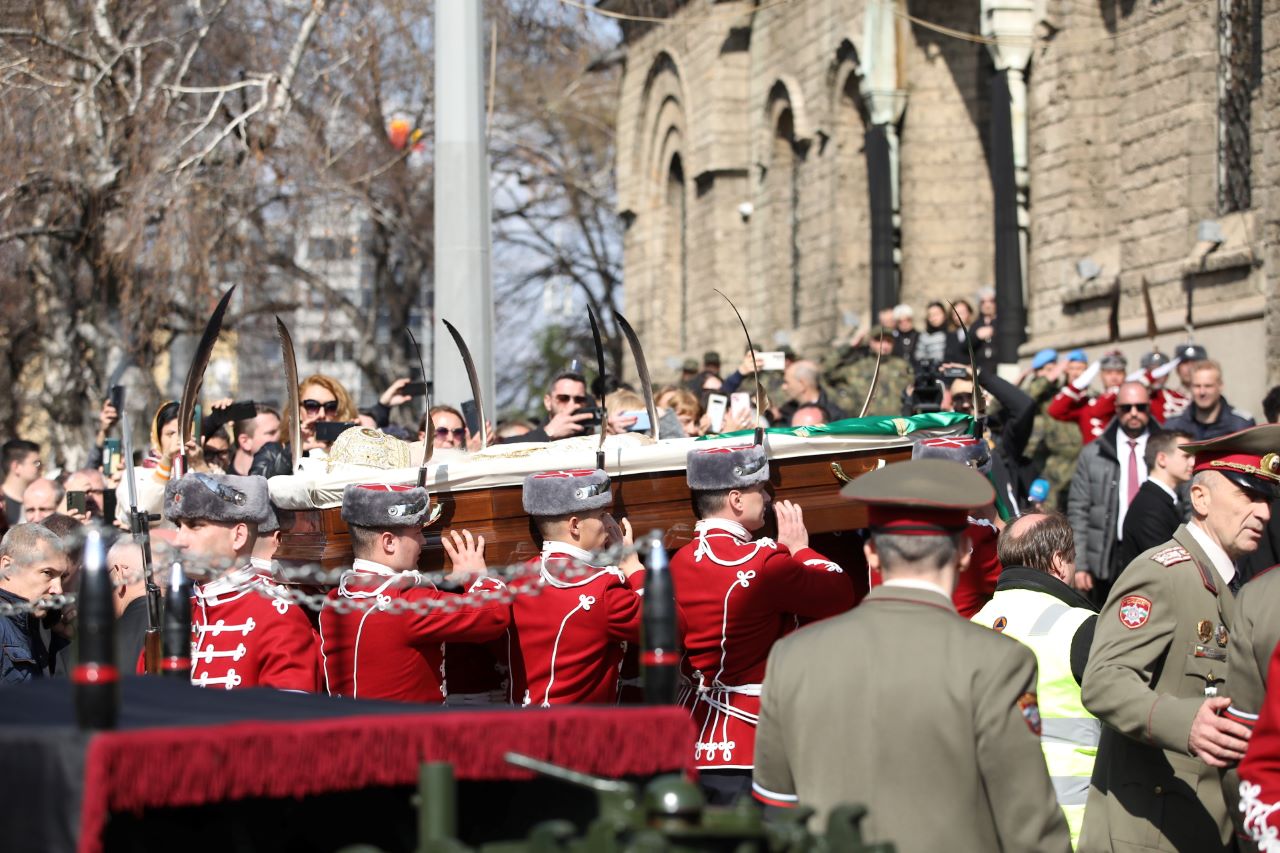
x: 293, y: 581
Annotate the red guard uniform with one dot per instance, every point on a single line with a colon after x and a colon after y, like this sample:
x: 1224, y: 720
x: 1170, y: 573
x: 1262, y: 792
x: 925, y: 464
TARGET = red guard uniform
x: 381, y: 652
x: 976, y: 585
x: 568, y: 635
x: 1259, y: 817
x: 1092, y: 413
x: 734, y: 599
x: 246, y: 634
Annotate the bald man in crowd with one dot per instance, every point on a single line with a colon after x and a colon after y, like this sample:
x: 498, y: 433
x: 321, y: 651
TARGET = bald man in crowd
x: 801, y: 383
x: 41, y: 499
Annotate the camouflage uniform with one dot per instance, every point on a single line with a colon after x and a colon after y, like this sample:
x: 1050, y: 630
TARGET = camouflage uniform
x: 850, y: 376
x: 1054, y: 444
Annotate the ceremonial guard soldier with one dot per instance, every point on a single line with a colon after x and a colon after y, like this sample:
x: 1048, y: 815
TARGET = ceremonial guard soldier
x: 1258, y: 790
x: 386, y: 640
x: 977, y: 584
x: 735, y: 597
x: 1157, y: 672
x: 246, y: 633
x: 927, y: 719
x: 571, y: 621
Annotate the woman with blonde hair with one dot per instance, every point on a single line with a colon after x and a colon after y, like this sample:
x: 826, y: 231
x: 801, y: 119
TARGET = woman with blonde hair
x: 320, y: 398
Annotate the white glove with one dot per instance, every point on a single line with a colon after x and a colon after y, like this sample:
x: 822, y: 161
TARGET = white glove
x: 1084, y: 380
x: 1165, y: 369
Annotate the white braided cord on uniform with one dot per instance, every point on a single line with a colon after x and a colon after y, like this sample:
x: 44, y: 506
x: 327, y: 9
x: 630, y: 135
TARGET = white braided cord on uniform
x: 314, y: 575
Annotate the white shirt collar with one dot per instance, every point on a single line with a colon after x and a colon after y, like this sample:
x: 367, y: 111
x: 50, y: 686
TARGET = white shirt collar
x: 235, y: 581
x: 1168, y: 491
x: 1221, y: 562
x: 918, y: 583
x: 723, y: 525
x: 552, y: 546
x: 369, y: 567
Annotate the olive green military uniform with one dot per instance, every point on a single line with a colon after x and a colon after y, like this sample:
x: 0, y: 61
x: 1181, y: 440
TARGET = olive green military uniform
x: 1158, y: 651
x: 1256, y: 634
x: 1054, y: 446
x: 906, y: 707
x: 850, y: 378
x: 922, y: 716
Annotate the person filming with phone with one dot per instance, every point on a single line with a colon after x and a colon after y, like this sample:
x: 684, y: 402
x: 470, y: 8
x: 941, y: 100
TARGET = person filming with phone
x: 569, y: 408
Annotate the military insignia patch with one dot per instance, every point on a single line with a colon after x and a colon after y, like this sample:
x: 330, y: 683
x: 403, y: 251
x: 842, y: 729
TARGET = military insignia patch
x: 1030, y: 712
x: 1000, y: 624
x: 1222, y: 636
x: 1171, y: 556
x: 1134, y: 611
x: 1204, y: 630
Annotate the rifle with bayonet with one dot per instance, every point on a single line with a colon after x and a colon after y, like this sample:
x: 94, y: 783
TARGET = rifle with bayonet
x: 140, y: 528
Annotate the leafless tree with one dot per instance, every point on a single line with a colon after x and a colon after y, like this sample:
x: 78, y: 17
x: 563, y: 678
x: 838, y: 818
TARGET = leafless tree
x: 135, y: 126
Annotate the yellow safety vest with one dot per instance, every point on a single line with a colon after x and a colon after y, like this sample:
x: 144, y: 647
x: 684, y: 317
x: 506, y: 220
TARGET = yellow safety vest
x: 1068, y: 733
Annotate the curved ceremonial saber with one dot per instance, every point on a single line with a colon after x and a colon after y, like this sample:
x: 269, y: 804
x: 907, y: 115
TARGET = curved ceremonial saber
x: 979, y: 402
x: 604, y: 409
x: 642, y: 369
x: 195, y: 374
x: 429, y: 444
x: 751, y: 348
x: 875, y: 377
x: 291, y: 378
x: 472, y: 377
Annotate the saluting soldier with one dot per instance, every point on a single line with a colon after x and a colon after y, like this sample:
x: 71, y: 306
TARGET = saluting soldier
x: 391, y: 644
x: 246, y: 633
x: 927, y: 719
x: 735, y: 597
x: 1157, y: 673
x: 572, y: 620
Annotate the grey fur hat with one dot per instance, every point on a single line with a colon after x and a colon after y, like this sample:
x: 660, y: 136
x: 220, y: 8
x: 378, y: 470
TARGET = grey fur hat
x: 718, y: 468
x: 217, y: 497
x: 269, y: 523
x: 379, y: 505
x: 961, y: 448
x: 549, y: 494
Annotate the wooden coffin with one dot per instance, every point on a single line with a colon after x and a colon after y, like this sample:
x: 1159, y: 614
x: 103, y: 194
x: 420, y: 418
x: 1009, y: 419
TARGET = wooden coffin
x: 653, y: 500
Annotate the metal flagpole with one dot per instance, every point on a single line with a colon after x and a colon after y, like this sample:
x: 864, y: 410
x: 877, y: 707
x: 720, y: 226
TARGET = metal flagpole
x: 463, y: 288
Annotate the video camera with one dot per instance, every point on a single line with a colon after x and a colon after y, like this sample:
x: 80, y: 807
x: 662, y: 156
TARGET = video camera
x: 926, y: 392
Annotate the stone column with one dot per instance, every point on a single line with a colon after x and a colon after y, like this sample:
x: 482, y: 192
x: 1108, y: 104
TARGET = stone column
x: 1010, y: 23
x: 882, y: 89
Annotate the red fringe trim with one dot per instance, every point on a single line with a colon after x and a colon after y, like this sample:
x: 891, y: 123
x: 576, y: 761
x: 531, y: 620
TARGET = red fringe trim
x: 191, y: 766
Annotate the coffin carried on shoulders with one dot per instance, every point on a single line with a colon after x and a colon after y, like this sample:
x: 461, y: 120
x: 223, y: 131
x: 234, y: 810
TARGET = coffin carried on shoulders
x: 482, y: 492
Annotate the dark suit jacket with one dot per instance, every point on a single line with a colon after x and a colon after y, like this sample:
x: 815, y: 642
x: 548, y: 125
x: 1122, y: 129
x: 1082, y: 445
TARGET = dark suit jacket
x: 1150, y: 521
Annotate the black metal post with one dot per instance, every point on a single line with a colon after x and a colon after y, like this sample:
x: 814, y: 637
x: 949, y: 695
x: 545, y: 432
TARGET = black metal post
x: 1011, y: 316
x: 884, y: 273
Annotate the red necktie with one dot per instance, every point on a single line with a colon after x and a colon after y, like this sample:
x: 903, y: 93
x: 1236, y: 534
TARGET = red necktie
x: 1133, y: 471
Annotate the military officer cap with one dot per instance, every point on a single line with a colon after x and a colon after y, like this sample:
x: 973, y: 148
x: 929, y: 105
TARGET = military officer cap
x: 217, y: 497
x: 1249, y: 458
x: 923, y: 497
x: 964, y: 449
x: 380, y: 505
x: 549, y: 494
x: 716, y: 469
x: 1114, y: 360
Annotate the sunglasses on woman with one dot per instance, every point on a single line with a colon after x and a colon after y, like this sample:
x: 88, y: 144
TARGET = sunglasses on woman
x: 313, y: 406
x: 444, y: 432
